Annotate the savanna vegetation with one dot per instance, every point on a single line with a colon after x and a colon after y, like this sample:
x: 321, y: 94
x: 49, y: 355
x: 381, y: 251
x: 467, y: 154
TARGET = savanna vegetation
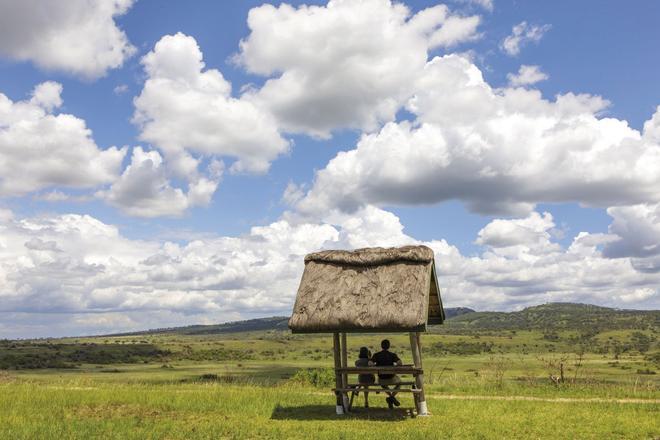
x: 553, y: 371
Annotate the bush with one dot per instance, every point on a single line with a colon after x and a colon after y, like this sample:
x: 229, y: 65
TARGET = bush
x: 317, y: 377
x: 209, y: 377
x: 641, y: 342
x: 653, y: 357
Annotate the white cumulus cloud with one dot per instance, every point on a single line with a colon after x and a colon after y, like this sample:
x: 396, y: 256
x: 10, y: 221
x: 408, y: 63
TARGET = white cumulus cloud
x: 527, y: 75
x: 184, y: 107
x: 521, y: 35
x: 498, y: 151
x: 528, y: 231
x: 638, y: 230
x: 144, y: 190
x: 344, y: 65
x: 42, y: 149
x: 75, y: 36
x: 485, y: 4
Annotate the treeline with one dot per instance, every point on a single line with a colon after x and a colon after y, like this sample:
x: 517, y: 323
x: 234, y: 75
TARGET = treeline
x: 17, y: 355
x: 22, y: 355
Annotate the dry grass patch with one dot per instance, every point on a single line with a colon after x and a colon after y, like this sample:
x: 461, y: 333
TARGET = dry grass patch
x: 117, y: 410
x: 6, y: 377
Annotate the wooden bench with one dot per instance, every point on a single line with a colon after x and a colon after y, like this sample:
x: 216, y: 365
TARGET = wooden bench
x: 356, y: 388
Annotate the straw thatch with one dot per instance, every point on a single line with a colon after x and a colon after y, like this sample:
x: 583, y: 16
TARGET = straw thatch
x: 373, y: 289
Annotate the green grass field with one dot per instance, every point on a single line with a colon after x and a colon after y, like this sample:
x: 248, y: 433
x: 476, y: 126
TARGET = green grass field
x: 481, y: 383
x: 83, y: 408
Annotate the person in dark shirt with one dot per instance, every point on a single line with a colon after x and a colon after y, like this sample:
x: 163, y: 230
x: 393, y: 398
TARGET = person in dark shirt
x: 385, y: 358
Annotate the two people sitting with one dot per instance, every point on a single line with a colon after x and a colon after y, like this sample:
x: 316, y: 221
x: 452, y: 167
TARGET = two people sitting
x: 384, y: 358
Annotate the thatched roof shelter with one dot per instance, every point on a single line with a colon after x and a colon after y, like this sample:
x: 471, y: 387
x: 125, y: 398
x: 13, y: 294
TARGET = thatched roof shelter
x: 368, y: 290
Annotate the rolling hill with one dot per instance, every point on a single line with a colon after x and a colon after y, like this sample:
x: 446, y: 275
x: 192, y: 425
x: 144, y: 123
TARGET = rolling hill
x: 552, y: 316
x: 559, y: 316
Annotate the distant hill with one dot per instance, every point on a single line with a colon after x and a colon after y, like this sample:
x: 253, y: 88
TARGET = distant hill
x: 250, y: 325
x: 552, y: 316
x: 258, y: 324
x: 559, y: 316
x: 452, y: 312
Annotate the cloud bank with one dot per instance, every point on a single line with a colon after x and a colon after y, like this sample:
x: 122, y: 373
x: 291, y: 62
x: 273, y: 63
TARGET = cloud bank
x: 86, y: 277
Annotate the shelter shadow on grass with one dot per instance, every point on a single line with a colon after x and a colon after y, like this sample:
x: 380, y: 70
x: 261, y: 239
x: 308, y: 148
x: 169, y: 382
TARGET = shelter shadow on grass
x: 327, y: 412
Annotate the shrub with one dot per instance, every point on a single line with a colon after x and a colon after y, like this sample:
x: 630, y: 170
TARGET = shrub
x: 317, y: 377
x: 641, y: 342
x: 209, y: 377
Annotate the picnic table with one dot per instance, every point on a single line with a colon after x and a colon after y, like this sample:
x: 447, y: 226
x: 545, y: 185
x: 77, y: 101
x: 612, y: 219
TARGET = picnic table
x: 355, y: 388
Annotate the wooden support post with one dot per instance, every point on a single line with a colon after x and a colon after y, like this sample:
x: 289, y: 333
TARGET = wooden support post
x: 420, y: 399
x: 413, y: 350
x: 344, y: 364
x: 338, y: 380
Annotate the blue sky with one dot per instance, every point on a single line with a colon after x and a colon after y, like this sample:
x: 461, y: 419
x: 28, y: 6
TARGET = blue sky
x: 494, y: 172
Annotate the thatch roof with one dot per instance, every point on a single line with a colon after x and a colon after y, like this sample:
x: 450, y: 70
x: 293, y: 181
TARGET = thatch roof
x: 368, y: 290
